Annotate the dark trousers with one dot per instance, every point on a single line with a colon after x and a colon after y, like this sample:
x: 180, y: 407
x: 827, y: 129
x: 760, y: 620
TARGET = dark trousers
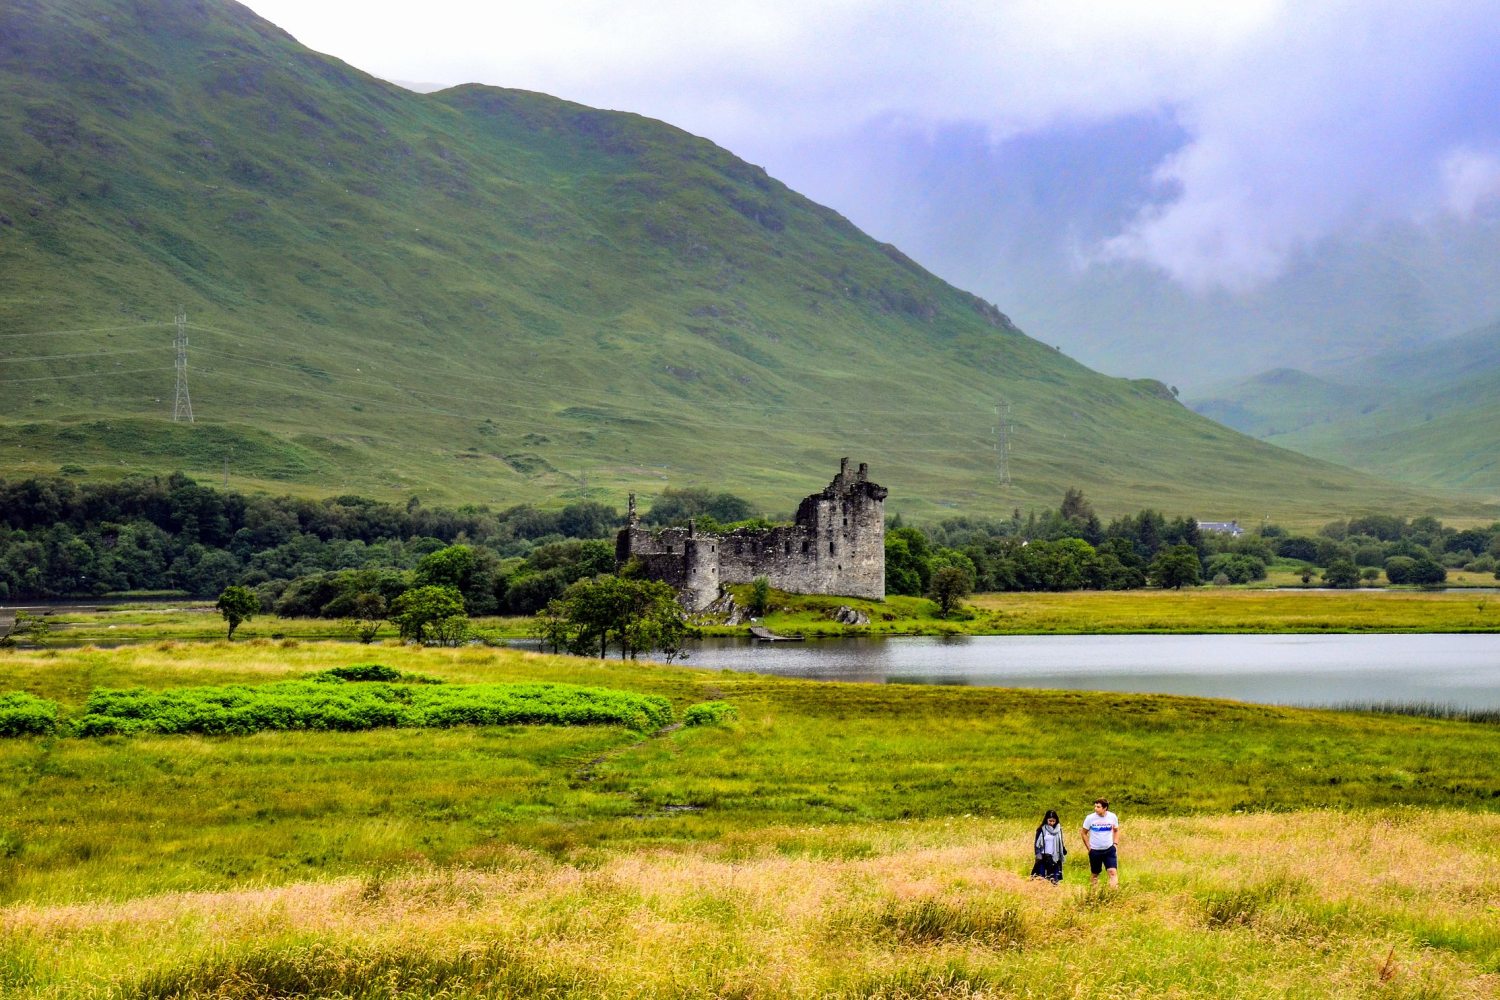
x: 1047, y: 868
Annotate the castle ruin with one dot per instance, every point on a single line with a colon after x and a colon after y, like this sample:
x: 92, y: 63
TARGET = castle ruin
x: 836, y: 545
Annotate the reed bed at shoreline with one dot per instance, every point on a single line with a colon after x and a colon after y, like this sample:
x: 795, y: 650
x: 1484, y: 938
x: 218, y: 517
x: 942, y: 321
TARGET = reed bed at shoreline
x: 1311, y: 904
x: 1422, y: 710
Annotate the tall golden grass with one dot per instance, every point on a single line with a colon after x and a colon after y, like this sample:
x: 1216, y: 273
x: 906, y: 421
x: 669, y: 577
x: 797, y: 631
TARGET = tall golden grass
x: 1391, y: 904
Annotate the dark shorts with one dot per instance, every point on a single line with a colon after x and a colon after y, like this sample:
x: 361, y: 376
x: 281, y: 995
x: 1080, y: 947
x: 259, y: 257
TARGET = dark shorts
x: 1100, y: 860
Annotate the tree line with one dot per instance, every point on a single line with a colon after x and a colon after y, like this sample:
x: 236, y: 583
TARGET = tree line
x: 349, y: 557
x: 61, y: 538
x: 1070, y: 548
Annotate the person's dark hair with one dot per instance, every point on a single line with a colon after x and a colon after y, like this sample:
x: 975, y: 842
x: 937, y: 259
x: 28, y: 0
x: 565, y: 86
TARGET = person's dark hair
x: 1102, y: 802
x: 1049, y: 814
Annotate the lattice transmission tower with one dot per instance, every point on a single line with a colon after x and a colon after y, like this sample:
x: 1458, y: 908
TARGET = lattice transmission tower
x: 182, y: 404
x: 1002, y: 442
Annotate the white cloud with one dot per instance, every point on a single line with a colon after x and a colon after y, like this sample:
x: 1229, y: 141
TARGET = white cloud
x: 1304, y: 118
x: 790, y: 63
x: 1334, y: 119
x: 1471, y: 180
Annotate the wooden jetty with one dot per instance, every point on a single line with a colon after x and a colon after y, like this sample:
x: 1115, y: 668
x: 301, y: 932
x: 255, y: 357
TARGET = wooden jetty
x: 763, y: 634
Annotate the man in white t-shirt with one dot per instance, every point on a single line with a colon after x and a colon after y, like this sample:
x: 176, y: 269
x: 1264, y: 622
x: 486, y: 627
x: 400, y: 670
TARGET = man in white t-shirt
x: 1101, y: 836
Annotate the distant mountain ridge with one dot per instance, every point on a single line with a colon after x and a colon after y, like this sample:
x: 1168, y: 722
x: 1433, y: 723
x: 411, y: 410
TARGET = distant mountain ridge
x: 491, y: 295
x: 1429, y: 416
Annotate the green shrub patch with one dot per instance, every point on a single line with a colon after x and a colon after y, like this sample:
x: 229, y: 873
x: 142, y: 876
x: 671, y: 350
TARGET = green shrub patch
x: 331, y: 704
x: 366, y: 672
x: 22, y: 714
x: 709, y: 713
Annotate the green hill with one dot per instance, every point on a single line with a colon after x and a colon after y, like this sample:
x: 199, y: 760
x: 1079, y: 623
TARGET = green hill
x: 489, y: 295
x: 1425, y: 416
x: 1282, y: 401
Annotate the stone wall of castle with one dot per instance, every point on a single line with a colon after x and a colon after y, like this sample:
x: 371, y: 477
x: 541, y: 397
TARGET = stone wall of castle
x: 836, y: 545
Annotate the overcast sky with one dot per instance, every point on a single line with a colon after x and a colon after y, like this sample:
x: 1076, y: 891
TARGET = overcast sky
x: 1270, y: 128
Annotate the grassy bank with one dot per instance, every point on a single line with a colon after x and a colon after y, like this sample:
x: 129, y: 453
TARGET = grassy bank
x: 1201, y: 610
x: 851, y: 840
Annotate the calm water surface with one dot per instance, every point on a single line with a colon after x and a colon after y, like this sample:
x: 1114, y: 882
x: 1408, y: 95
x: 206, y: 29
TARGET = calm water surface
x: 1461, y: 670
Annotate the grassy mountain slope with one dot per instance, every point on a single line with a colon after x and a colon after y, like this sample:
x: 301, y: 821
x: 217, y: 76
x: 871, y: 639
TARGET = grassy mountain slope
x: 1425, y: 416
x: 493, y: 295
x: 1282, y: 401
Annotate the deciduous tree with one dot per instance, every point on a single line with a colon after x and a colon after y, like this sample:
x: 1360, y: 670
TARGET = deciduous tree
x: 950, y: 585
x: 237, y: 604
x: 1176, y: 568
x: 635, y: 615
x: 416, y: 612
x: 760, y: 596
x: 1341, y: 573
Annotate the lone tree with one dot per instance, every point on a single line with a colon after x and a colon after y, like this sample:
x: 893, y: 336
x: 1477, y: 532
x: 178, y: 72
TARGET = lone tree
x: 237, y: 604
x: 950, y: 585
x: 760, y: 596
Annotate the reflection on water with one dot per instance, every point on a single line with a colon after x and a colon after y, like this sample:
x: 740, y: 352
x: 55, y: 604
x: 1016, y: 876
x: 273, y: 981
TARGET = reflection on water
x: 1459, y: 670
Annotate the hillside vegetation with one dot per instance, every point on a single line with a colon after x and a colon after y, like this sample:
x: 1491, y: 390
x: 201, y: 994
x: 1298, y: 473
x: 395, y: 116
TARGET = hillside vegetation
x: 495, y: 296
x: 1424, y: 416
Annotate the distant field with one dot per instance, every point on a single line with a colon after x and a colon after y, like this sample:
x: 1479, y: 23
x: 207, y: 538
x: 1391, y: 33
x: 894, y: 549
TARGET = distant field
x: 834, y: 840
x: 1204, y: 609
x: 1212, y: 609
x: 1207, y: 609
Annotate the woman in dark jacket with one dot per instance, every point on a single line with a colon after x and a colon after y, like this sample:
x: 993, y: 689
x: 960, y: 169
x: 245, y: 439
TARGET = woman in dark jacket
x: 1050, y: 848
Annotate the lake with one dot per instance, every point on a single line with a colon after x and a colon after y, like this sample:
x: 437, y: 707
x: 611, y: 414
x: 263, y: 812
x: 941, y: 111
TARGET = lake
x: 1458, y: 670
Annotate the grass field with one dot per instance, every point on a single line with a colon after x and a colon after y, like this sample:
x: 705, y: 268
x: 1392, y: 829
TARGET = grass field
x: 1076, y: 612
x: 1213, y: 906
x: 833, y: 840
x: 1199, y: 610
x: 1203, y: 610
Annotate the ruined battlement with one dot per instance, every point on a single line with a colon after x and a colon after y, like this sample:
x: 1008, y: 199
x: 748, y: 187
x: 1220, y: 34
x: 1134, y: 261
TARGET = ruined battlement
x: 836, y: 545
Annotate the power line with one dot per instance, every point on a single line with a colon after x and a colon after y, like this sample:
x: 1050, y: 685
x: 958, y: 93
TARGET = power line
x: 657, y: 416
x: 963, y: 445
x: 91, y: 329
x: 963, y: 439
x: 612, y: 404
x: 556, y: 387
x: 59, y: 378
x: 29, y: 358
x: 561, y: 387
